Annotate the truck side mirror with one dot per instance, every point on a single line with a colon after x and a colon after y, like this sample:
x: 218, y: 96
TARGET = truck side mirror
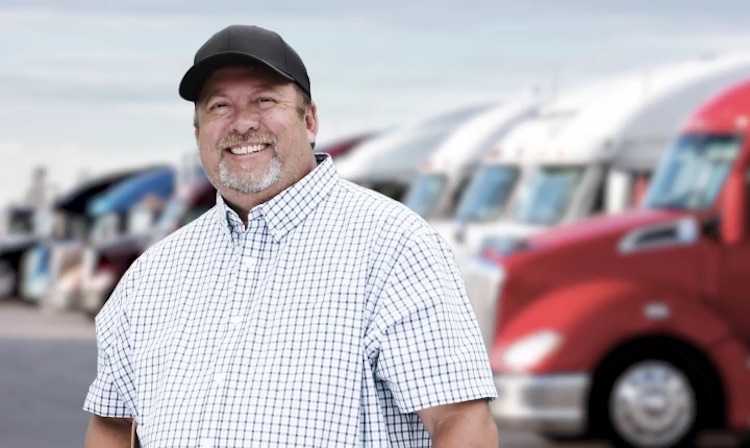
x: 734, y: 219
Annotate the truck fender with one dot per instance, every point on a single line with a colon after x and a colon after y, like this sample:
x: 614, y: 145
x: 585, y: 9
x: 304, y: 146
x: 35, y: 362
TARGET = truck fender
x: 593, y: 317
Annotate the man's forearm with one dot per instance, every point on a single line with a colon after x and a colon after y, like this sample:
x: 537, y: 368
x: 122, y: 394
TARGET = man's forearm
x: 108, y: 432
x: 466, y: 431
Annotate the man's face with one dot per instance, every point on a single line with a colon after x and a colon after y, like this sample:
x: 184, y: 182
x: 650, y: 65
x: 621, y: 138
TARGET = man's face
x: 253, y: 132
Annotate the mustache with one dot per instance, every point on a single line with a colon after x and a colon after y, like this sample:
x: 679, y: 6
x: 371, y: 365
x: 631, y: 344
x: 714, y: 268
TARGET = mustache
x: 249, y: 138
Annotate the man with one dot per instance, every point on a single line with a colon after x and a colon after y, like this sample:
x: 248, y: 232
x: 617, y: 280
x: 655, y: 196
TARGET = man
x: 302, y: 310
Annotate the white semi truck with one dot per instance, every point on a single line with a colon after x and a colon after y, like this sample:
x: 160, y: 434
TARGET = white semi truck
x: 589, y: 151
x: 444, y: 175
x: 390, y: 162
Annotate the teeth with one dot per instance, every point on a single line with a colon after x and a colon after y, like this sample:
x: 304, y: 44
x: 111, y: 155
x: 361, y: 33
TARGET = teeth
x: 247, y: 149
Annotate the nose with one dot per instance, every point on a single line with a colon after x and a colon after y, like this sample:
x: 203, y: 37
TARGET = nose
x: 246, y: 118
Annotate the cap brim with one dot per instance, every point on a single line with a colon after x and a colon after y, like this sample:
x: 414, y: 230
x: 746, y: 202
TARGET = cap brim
x: 192, y: 83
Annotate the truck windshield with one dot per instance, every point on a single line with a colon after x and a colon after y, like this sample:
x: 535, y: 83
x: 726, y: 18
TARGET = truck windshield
x: 424, y: 194
x: 549, y: 193
x: 487, y: 194
x: 694, y: 172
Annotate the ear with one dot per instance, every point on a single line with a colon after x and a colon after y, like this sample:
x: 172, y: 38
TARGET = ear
x: 311, y: 122
x: 197, y: 134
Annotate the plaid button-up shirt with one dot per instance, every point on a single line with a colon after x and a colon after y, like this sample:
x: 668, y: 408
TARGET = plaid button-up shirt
x: 327, y: 322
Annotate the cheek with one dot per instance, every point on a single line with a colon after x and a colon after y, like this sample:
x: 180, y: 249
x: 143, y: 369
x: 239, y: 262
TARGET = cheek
x: 208, y: 137
x: 207, y: 150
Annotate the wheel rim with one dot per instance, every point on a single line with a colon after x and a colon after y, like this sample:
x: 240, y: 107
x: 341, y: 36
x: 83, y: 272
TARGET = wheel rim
x: 652, y: 404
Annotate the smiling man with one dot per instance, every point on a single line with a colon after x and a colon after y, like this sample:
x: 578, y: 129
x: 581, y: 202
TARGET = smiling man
x: 302, y: 310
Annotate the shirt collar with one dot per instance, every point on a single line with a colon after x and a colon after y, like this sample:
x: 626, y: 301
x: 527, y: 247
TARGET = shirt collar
x: 288, y: 209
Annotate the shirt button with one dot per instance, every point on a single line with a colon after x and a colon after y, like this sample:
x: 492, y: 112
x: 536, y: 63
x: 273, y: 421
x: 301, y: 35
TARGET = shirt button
x: 249, y: 262
x: 235, y: 320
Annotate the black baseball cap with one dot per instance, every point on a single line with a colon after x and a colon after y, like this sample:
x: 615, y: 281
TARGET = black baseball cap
x: 242, y: 44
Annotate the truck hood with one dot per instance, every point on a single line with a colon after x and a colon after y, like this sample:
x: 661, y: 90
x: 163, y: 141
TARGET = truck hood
x: 647, y: 247
x: 603, y: 226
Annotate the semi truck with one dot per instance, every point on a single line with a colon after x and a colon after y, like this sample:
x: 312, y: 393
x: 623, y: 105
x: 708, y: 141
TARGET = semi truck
x: 63, y: 220
x: 634, y: 326
x: 53, y: 270
x: 588, y: 152
x: 389, y: 162
x: 444, y: 175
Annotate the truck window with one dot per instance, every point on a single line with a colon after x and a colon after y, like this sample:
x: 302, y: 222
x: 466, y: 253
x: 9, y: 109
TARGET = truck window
x: 694, y: 172
x: 488, y: 192
x: 550, y: 192
x: 424, y: 194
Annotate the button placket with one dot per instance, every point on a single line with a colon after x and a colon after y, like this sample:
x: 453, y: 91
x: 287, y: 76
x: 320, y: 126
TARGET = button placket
x: 240, y: 302
x: 214, y: 404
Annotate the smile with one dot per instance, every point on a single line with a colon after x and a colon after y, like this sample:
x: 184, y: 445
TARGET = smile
x: 248, y: 149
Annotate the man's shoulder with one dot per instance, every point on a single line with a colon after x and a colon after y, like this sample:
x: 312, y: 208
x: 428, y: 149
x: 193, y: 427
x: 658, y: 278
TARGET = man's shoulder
x: 362, y: 205
x: 182, y: 237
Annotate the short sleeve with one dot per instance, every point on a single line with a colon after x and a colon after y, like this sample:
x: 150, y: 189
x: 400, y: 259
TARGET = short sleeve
x: 103, y: 398
x: 110, y: 392
x: 428, y: 343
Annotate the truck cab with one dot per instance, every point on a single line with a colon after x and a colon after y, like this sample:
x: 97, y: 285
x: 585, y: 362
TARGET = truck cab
x: 634, y: 326
x: 594, y: 151
x: 104, y: 209
x: 444, y: 175
x: 389, y: 162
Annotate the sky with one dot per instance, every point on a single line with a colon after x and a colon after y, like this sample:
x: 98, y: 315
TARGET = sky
x: 90, y: 86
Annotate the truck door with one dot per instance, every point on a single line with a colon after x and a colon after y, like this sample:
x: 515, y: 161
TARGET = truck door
x: 734, y: 281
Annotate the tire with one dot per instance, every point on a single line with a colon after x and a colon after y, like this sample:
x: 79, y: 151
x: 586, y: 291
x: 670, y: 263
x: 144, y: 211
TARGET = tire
x: 650, y: 398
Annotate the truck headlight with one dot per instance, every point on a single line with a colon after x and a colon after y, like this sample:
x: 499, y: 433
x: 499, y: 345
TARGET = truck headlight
x: 531, y: 350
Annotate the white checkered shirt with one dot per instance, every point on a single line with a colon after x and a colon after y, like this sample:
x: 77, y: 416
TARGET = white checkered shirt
x: 328, y: 322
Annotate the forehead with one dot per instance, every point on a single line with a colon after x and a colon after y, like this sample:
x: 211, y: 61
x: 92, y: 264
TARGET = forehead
x: 250, y: 77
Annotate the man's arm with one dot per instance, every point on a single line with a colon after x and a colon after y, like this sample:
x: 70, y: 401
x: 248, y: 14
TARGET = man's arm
x: 105, y: 432
x: 461, y: 425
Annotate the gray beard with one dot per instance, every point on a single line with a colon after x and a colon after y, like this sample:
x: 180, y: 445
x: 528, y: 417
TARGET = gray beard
x: 250, y: 183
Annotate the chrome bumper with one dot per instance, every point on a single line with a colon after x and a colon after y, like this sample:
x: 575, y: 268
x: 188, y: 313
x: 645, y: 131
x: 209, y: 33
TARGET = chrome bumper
x: 548, y: 404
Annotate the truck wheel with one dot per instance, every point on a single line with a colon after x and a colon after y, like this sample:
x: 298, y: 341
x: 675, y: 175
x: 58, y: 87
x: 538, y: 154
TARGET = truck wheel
x: 651, y: 402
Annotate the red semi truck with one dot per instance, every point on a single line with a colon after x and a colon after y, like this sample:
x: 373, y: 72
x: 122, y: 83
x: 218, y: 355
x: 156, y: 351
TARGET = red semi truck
x: 636, y: 327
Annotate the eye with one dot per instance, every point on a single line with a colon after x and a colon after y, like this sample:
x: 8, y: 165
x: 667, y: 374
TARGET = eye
x: 266, y: 102
x: 218, y: 105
